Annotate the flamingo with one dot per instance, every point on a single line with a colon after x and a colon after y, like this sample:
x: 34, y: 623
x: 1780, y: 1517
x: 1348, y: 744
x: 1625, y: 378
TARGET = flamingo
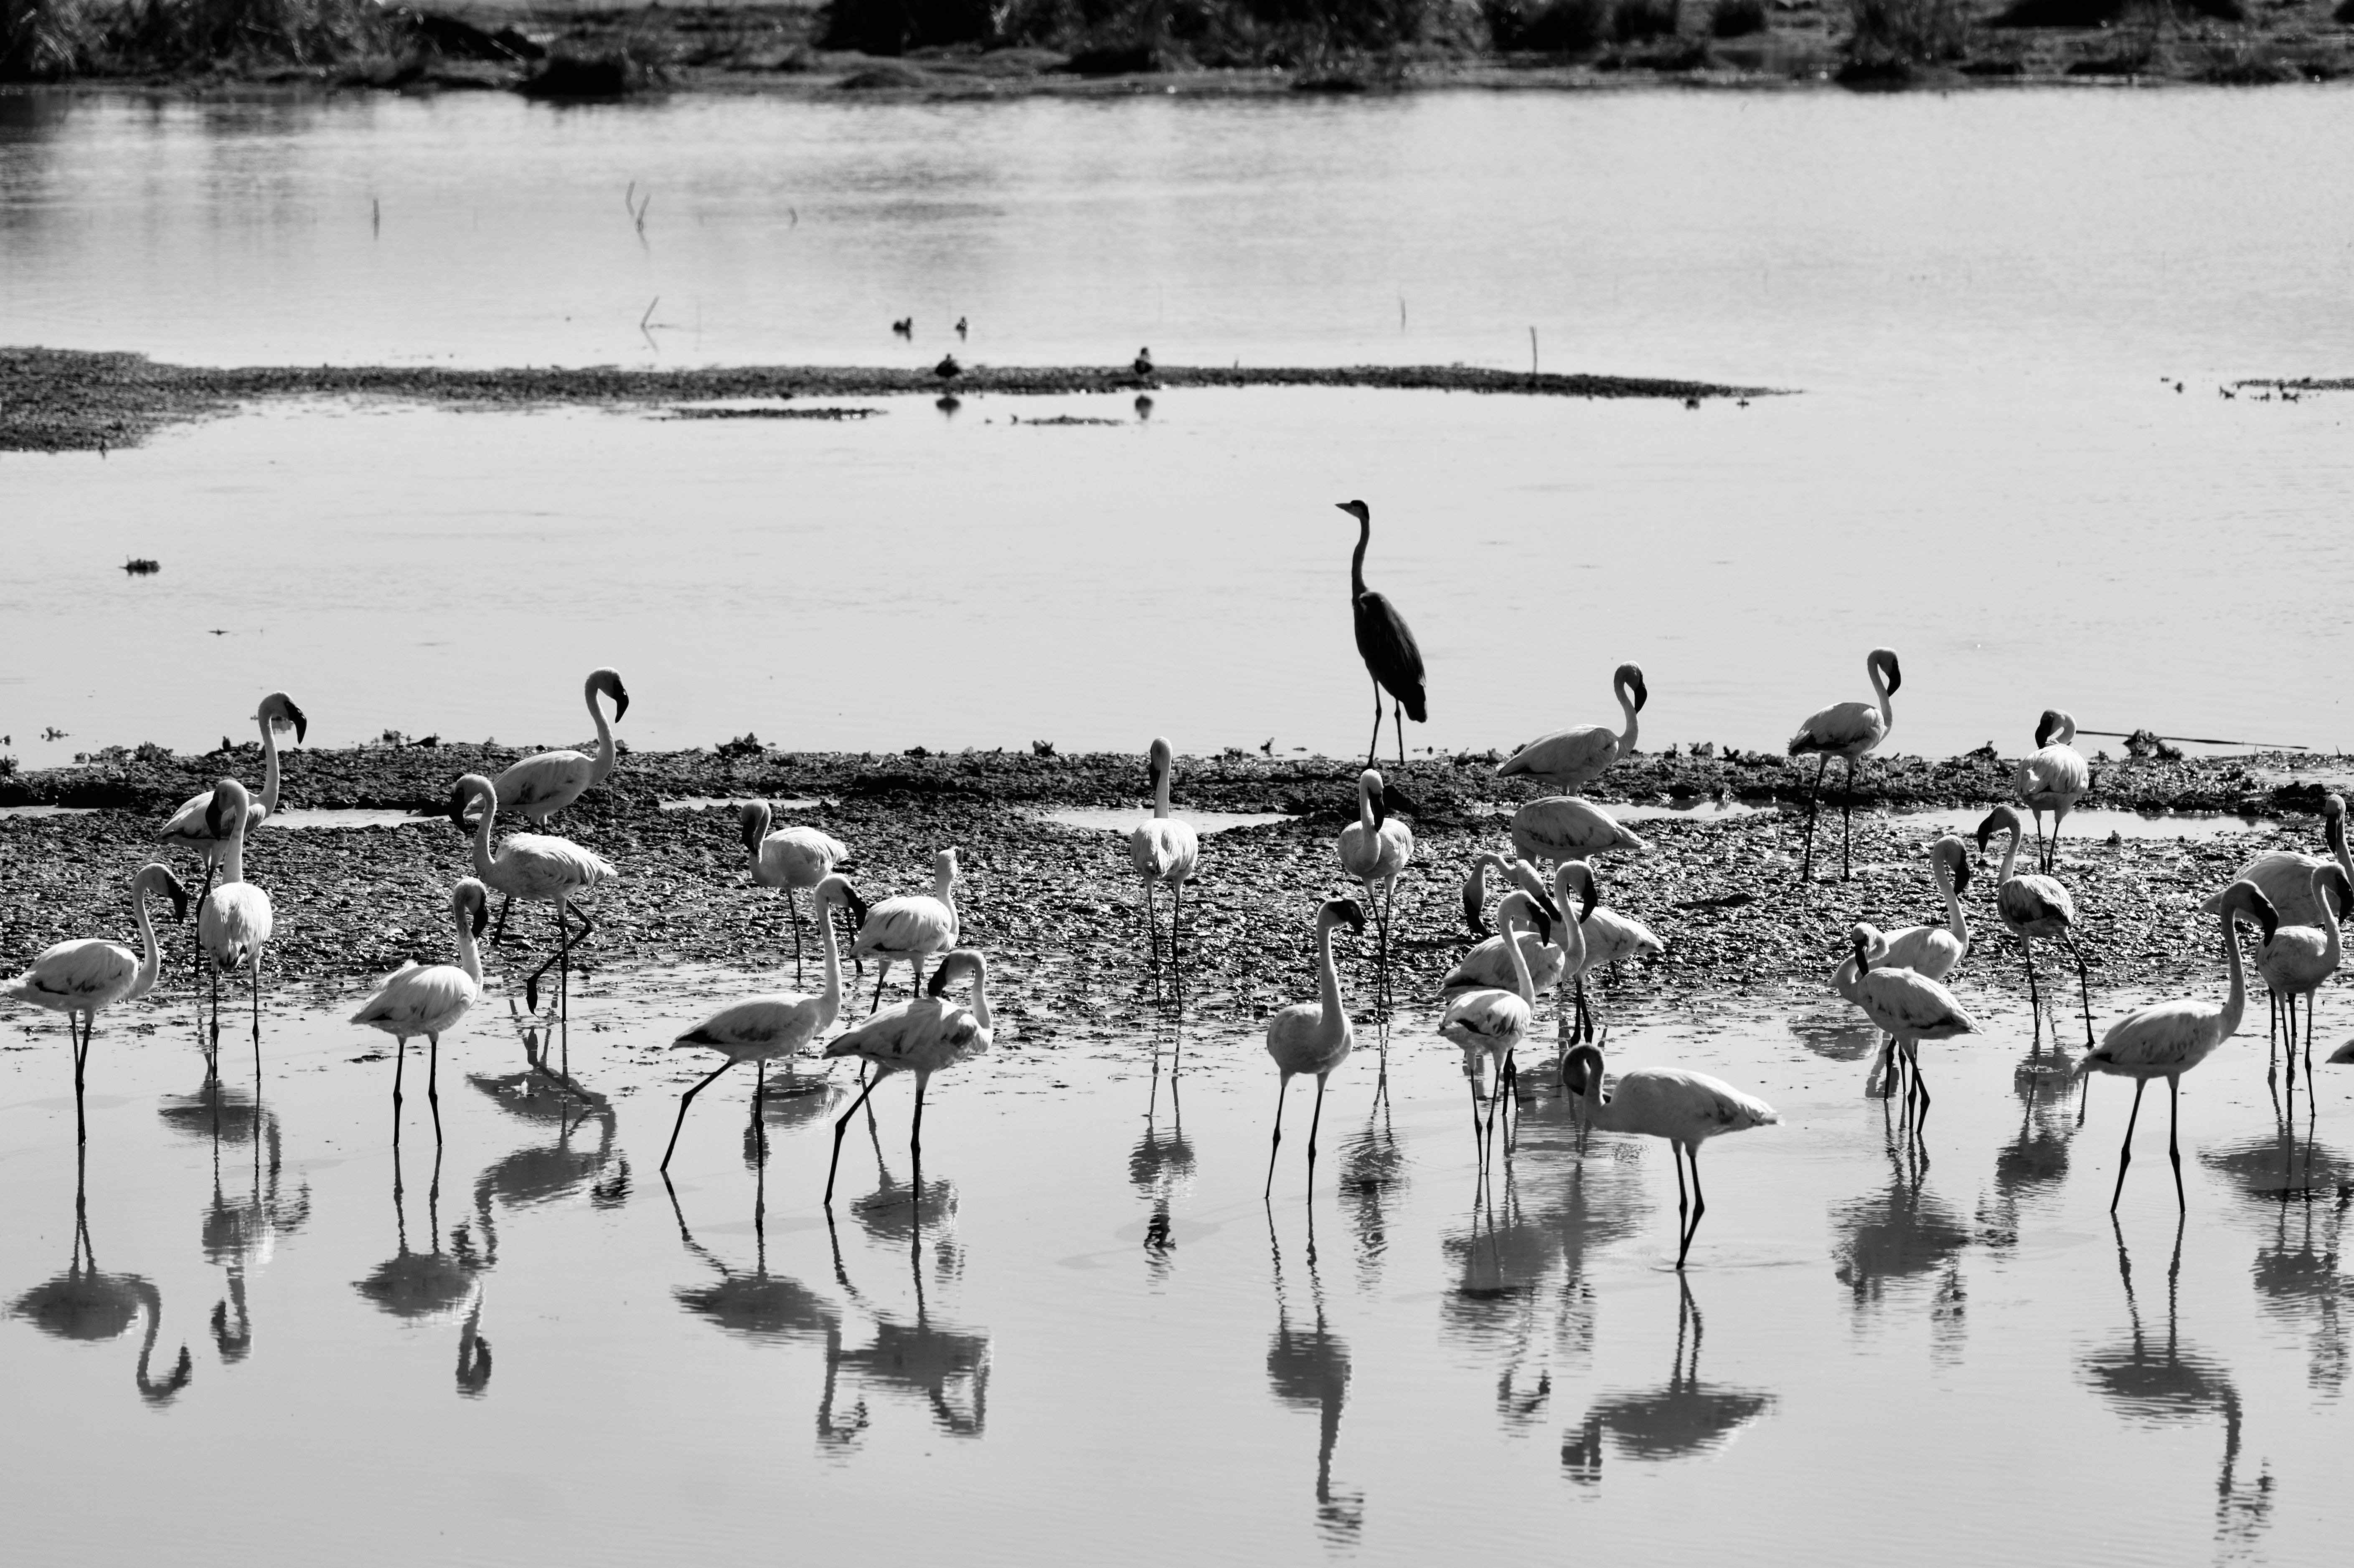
x: 1489, y: 1022
x: 2034, y: 907
x: 1377, y: 848
x: 1568, y: 760
x: 540, y: 786
x: 1392, y: 657
x: 2296, y: 960
x: 1164, y: 849
x: 1313, y: 1037
x: 1904, y: 1004
x: 773, y: 1026
x: 1609, y: 937
x: 2285, y: 876
x: 907, y: 928
x: 88, y: 976
x: 540, y: 868
x: 187, y: 828
x: 2054, y: 779
x: 1487, y: 966
x: 1684, y: 1107
x: 1933, y: 952
x: 1569, y: 827
x: 2169, y: 1038
x: 923, y: 1036
x: 792, y: 858
x: 430, y: 999
x: 233, y: 921
x: 1846, y: 730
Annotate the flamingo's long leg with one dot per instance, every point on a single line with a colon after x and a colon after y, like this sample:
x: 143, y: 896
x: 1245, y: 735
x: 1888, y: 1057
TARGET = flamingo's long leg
x: 1282, y: 1085
x: 2125, y: 1155
x: 687, y: 1099
x: 839, y: 1128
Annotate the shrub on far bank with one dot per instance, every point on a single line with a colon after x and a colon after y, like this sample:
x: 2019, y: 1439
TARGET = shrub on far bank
x: 177, y: 33
x: 1738, y: 18
x: 41, y: 40
x: 1886, y: 37
x: 895, y: 26
x: 1550, y: 26
x: 1637, y: 21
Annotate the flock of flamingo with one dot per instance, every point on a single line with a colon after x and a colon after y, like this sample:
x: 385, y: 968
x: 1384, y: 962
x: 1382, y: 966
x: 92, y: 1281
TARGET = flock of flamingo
x: 1487, y: 1003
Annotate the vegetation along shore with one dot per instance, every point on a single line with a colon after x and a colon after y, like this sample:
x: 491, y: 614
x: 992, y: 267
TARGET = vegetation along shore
x: 985, y: 48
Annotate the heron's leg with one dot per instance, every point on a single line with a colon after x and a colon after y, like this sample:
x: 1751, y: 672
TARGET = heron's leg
x: 2173, y: 1131
x: 1398, y: 721
x: 1684, y: 1237
x: 839, y: 1128
x: 1373, y: 746
x: 2125, y: 1155
x: 1282, y: 1085
x: 1315, y: 1119
x: 1814, y: 796
x: 1699, y: 1204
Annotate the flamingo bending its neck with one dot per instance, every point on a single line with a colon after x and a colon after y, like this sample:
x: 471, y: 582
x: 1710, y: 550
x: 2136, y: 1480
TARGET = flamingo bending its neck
x: 924, y: 1035
x: 2053, y: 778
x: 794, y: 858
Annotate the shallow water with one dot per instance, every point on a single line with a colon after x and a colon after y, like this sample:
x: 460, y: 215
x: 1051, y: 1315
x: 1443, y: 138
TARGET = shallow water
x: 1120, y: 821
x: 1091, y: 1326
x: 1990, y: 466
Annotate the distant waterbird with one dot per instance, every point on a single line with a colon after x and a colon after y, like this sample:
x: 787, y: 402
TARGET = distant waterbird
x: 2035, y: 907
x: 537, y: 868
x: 2169, y: 1038
x: 1392, y: 656
x: 2053, y: 778
x: 538, y: 787
x: 925, y: 1035
x: 189, y: 827
x: 908, y: 928
x: 1144, y: 364
x: 234, y: 920
x: 795, y: 858
x: 2297, y: 961
x: 1164, y: 851
x: 1567, y: 760
x: 1846, y: 731
x: 430, y: 999
x: 1313, y: 1037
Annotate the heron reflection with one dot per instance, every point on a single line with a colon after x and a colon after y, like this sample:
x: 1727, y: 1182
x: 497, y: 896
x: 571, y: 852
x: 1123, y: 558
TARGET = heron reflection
x: 2167, y: 1383
x: 1682, y: 1418
x: 1162, y: 1164
x: 945, y: 1367
x: 87, y: 1304
x: 1308, y: 1369
x: 434, y: 1285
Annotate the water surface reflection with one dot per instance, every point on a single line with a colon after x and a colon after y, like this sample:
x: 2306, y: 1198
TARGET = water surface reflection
x: 1683, y: 1417
x: 1308, y: 1369
x: 87, y: 1304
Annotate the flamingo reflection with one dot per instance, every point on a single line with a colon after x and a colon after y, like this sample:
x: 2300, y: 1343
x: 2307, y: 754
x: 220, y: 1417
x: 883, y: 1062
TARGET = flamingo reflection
x: 1308, y: 1369
x: 758, y: 1304
x: 1681, y: 1418
x: 88, y: 1304
x: 434, y: 1286
x: 1373, y: 1176
x: 1902, y: 1233
x: 946, y: 1367
x: 241, y: 1233
x: 2034, y: 1163
x: 1160, y: 1166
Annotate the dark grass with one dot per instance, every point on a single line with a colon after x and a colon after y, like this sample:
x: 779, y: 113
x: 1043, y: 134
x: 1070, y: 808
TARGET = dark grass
x: 1736, y: 18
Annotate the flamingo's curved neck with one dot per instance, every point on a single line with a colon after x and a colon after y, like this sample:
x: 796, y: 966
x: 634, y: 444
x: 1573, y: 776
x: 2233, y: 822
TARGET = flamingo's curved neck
x: 1958, y: 919
x: 2337, y: 835
x: 488, y: 801
x: 944, y: 889
x: 604, y: 763
x: 981, y: 998
x: 1598, y: 1111
x: 1160, y: 789
x: 1510, y: 925
x: 1328, y: 976
x: 1357, y: 561
x: 1365, y: 809
x: 1879, y: 691
x: 470, y: 958
x: 2010, y: 856
x: 232, y: 854
x: 268, y: 772
x: 829, y: 1001
x: 1627, y: 705
x: 2237, y: 1002
x: 2333, y: 948
x: 151, y: 966
x: 2067, y: 735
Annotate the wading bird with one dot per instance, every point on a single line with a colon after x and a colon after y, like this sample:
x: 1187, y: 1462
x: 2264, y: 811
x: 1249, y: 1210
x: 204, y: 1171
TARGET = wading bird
x: 2294, y: 960
x: 2169, y: 1039
x: 83, y: 978
x: 1685, y: 1109
x: 188, y: 829
x: 1904, y: 1004
x: 1489, y: 1022
x: 2034, y: 907
x: 773, y: 1026
x: 1609, y: 937
x: 1935, y: 951
x: 430, y: 999
x: 1163, y: 850
x: 1375, y: 849
x: 794, y: 858
x: 922, y: 1036
x: 537, y: 868
x: 910, y: 928
x: 2053, y: 778
x: 1846, y: 730
x: 233, y: 922
x: 1568, y: 760
x: 1488, y: 965
x: 1569, y: 827
x: 2285, y: 876
x: 1313, y: 1037
x: 1391, y: 654
x: 538, y: 787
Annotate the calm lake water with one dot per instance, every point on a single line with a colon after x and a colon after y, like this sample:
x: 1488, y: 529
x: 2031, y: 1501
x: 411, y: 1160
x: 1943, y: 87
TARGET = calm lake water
x: 1988, y: 466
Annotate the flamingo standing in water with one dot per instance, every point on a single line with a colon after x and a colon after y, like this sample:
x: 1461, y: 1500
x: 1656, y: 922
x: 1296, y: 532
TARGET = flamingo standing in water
x: 188, y: 828
x: 1904, y: 1004
x: 910, y: 928
x: 1848, y: 731
x: 1489, y: 1022
x: 539, y: 868
x: 1569, y: 759
x: 1392, y: 657
x: 773, y: 1026
x: 793, y: 858
x: 2296, y: 960
x: 2034, y: 907
x: 1610, y: 938
x: 1313, y: 1037
x: 2169, y: 1038
x: 538, y: 787
x: 88, y: 976
x: 1163, y: 850
x: 2053, y: 778
x: 2286, y: 877
x: 233, y: 921
x: 430, y: 999
x: 1932, y: 951
x: 1683, y: 1108
x: 1375, y: 849
x: 923, y: 1036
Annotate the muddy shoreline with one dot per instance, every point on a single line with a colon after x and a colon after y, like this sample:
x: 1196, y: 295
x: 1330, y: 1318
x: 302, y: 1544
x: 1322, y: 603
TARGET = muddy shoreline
x: 69, y: 400
x: 1058, y: 908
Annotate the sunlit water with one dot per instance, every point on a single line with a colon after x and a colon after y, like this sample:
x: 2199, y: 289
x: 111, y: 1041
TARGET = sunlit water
x: 1989, y: 465
x: 1093, y: 1336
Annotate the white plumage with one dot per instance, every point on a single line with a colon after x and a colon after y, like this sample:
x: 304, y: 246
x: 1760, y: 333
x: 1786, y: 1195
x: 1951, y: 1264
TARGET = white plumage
x: 794, y: 858
x: 924, y: 1035
x: 2286, y: 877
x: 2054, y: 778
x: 1685, y: 1109
x: 430, y: 999
x: 1904, y: 1004
x: 2294, y: 960
x: 86, y: 977
x: 1489, y: 1022
x: 1488, y: 965
x: 2034, y: 909
x: 189, y: 827
x: 538, y: 787
x: 234, y: 920
x: 1608, y: 936
x: 910, y: 928
x: 2169, y: 1039
x: 1313, y: 1037
x: 1936, y: 951
x: 1163, y: 850
x: 1568, y: 760
x: 1569, y: 827
x: 1847, y: 731
x: 1377, y: 849
x: 537, y: 868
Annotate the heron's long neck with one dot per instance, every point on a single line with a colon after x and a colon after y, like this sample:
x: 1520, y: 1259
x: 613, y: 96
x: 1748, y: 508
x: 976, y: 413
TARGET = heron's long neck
x: 604, y: 764
x: 2237, y: 1002
x: 470, y: 958
x: 490, y: 801
x: 269, y: 769
x: 1161, y: 790
x: 150, y: 967
x: 829, y: 1001
x: 1626, y: 706
x: 1357, y: 561
x: 1328, y: 976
